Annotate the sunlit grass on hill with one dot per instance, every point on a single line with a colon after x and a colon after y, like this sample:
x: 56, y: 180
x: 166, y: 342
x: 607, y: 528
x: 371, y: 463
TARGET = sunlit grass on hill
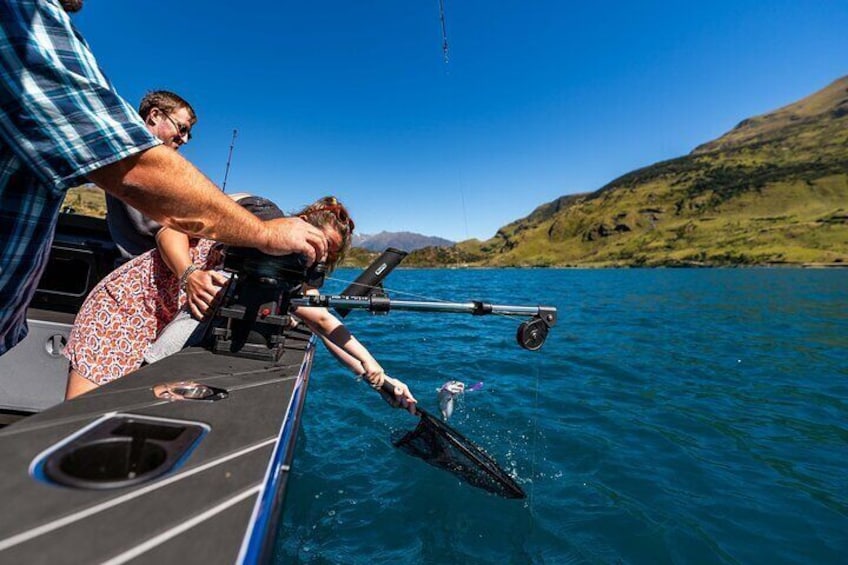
x: 88, y: 200
x: 783, y: 222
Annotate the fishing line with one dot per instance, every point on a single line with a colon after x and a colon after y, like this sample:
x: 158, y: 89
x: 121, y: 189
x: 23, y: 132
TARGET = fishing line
x: 444, y: 30
x: 464, y: 212
x: 533, y: 449
x: 451, y: 99
x: 376, y: 287
x: 393, y: 290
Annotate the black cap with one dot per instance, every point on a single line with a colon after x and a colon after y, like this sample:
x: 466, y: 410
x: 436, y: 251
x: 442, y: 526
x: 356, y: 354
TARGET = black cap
x: 262, y: 208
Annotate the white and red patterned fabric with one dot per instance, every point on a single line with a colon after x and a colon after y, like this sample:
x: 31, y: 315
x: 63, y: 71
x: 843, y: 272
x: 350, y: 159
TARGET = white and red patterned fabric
x: 126, y: 312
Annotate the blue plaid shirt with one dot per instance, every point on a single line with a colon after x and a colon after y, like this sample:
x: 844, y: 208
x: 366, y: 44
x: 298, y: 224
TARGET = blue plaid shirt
x: 60, y: 118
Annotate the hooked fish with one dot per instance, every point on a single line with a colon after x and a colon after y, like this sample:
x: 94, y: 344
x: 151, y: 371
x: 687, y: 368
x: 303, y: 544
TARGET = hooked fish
x: 447, y: 393
x: 451, y: 390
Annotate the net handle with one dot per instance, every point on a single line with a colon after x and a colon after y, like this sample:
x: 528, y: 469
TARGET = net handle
x: 387, y: 391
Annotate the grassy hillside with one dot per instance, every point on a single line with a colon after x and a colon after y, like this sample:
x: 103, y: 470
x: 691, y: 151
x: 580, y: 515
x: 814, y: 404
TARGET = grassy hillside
x: 88, y: 200
x: 774, y: 190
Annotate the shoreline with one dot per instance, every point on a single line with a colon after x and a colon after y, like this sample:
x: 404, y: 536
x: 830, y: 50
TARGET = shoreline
x: 588, y: 266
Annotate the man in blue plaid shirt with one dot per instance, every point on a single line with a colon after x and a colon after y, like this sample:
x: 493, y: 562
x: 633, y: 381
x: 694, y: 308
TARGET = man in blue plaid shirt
x: 63, y: 124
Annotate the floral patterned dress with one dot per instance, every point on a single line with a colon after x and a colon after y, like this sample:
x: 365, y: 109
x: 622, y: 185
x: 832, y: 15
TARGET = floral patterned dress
x: 127, y: 311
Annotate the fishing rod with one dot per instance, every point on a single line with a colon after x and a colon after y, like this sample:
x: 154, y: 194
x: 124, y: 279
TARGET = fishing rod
x: 444, y: 30
x: 229, y: 158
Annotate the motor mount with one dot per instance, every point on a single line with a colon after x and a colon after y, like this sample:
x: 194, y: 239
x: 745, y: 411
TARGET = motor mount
x: 253, y: 314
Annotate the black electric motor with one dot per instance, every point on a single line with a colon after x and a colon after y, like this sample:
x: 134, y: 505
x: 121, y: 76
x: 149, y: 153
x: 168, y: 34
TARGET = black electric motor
x: 253, y: 314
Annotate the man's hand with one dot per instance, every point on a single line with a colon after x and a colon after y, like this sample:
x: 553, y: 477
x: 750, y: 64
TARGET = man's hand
x: 167, y: 188
x: 293, y: 235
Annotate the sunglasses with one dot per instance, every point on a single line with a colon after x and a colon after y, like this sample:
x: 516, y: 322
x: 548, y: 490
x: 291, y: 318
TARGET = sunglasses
x: 338, y: 211
x: 182, y: 129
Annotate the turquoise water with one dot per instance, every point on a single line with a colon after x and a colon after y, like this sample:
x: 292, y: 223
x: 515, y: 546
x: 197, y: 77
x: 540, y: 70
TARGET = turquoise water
x: 673, y: 416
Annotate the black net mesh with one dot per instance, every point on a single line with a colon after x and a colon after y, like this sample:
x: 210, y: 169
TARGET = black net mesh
x: 441, y: 446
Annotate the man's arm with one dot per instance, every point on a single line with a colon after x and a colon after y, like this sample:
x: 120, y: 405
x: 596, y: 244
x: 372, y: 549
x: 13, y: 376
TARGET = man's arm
x: 170, y: 190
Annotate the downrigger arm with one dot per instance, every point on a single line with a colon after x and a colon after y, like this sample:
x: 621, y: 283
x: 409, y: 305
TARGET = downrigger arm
x: 254, y: 312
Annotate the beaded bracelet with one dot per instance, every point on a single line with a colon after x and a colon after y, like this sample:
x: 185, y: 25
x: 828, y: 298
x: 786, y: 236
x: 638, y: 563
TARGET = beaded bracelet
x: 184, y: 277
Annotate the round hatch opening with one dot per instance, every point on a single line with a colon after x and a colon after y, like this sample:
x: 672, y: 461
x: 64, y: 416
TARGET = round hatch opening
x: 121, y: 451
x: 108, y: 463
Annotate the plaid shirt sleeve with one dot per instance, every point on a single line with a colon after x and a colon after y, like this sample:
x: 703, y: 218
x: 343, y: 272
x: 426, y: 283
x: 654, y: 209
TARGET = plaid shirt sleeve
x: 59, y: 113
x: 60, y: 119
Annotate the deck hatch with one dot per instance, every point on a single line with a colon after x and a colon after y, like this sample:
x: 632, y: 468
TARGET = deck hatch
x: 122, y: 451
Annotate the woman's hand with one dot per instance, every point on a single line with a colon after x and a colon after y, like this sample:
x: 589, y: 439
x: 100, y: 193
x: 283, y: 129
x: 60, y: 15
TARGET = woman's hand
x: 374, y: 374
x: 402, y: 396
x: 202, y: 288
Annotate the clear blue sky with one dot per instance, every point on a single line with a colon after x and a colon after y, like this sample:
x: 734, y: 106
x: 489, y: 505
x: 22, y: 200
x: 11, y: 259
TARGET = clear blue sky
x: 539, y: 98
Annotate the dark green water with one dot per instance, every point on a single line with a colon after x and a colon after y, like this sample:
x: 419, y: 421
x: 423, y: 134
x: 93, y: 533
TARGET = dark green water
x: 674, y: 416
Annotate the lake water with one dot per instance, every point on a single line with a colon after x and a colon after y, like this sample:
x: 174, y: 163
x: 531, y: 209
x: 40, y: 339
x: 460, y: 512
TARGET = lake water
x: 673, y: 416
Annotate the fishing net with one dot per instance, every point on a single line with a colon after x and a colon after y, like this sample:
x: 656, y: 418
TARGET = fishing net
x: 441, y: 446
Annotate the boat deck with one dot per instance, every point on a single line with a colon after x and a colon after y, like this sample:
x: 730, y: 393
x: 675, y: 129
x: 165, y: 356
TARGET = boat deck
x: 196, y: 513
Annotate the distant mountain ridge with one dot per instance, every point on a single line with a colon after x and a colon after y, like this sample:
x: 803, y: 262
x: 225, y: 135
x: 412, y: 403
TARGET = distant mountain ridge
x: 405, y: 241
x: 773, y: 190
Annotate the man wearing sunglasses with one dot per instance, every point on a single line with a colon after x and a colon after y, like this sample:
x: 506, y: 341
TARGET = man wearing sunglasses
x: 63, y: 124
x: 170, y: 118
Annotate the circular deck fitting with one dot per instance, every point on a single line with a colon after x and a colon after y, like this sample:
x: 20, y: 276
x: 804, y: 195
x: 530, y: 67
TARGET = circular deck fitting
x: 188, y: 390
